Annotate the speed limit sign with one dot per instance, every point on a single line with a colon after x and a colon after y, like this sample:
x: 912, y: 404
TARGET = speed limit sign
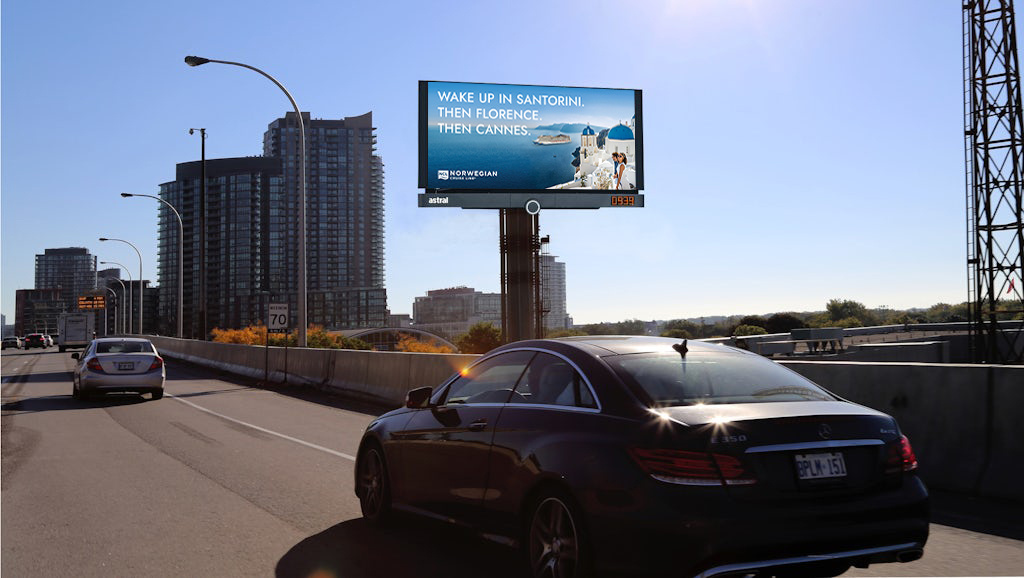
x: 277, y: 318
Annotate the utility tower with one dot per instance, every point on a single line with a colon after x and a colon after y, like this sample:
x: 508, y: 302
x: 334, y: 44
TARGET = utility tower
x: 994, y: 134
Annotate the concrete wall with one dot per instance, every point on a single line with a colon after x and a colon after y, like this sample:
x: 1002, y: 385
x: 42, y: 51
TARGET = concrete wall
x: 378, y: 376
x: 962, y: 420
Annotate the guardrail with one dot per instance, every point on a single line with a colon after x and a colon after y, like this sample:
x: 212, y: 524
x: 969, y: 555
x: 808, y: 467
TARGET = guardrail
x: 961, y: 419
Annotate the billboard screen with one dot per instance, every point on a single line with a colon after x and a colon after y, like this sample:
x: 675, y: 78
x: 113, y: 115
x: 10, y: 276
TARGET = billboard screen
x: 540, y: 141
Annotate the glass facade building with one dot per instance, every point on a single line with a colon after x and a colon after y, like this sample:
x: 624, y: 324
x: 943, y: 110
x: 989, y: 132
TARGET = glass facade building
x: 552, y: 291
x: 251, y: 231
x: 344, y: 218
x: 71, y: 269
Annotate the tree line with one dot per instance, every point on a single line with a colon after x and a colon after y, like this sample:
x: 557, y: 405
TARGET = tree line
x: 484, y: 336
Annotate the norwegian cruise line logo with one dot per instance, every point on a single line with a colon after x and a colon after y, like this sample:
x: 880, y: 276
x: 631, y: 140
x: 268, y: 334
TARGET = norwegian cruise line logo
x: 465, y: 175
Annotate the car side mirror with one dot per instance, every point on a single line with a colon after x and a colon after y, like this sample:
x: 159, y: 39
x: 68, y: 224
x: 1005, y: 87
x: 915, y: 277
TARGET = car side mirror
x: 418, y: 398
x: 74, y: 356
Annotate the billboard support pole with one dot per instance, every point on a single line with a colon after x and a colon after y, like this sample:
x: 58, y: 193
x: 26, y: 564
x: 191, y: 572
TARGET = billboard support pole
x: 519, y: 247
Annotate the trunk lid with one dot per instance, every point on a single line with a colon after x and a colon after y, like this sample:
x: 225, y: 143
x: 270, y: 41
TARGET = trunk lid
x: 796, y: 449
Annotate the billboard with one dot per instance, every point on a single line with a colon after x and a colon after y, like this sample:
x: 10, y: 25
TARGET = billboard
x: 500, y: 145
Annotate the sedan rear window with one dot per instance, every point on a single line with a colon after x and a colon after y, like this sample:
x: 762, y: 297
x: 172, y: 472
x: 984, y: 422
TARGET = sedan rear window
x: 123, y: 347
x: 711, y: 378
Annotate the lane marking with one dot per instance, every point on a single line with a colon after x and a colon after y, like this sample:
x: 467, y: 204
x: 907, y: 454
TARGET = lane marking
x: 264, y: 430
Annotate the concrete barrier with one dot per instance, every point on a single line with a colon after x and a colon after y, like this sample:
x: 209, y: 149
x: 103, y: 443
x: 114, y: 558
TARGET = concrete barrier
x: 962, y: 419
x: 379, y: 376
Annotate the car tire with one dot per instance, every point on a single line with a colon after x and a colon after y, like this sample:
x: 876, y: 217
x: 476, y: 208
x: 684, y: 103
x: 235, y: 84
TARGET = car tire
x: 157, y: 394
x: 374, y: 488
x: 556, y: 544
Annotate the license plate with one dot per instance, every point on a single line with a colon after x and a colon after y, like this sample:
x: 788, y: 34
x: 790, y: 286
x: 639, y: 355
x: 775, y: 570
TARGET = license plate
x: 125, y: 366
x: 817, y: 466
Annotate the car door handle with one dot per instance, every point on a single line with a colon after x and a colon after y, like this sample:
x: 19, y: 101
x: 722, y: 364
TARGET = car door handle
x: 478, y: 425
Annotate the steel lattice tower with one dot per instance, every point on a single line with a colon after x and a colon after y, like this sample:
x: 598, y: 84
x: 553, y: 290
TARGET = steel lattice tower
x: 994, y: 129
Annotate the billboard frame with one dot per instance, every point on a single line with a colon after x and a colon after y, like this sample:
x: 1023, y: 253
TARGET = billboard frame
x: 546, y: 198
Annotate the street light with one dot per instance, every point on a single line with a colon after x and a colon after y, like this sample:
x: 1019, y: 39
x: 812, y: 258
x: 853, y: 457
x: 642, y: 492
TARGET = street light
x: 202, y: 232
x: 181, y: 256
x: 198, y: 61
x: 130, y: 291
x: 105, y: 316
x: 142, y: 292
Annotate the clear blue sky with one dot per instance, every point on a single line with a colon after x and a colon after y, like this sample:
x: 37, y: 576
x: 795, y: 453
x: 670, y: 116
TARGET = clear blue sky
x: 796, y: 150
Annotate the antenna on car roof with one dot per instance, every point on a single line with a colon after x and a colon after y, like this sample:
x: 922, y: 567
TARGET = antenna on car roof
x: 681, y: 348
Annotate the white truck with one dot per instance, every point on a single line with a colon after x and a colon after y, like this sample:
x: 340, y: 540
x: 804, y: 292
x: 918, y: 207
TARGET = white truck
x: 75, y: 330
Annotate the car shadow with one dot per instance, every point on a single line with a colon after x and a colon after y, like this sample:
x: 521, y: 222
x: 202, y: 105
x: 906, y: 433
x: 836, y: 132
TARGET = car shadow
x: 410, y: 547
x: 180, y: 370
x: 49, y: 376
x: 66, y: 402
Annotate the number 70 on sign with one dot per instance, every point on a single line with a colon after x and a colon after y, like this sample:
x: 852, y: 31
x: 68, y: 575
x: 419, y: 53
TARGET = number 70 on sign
x: 277, y: 317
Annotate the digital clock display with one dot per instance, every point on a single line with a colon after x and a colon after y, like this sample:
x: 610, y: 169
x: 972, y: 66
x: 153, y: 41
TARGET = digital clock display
x: 623, y: 200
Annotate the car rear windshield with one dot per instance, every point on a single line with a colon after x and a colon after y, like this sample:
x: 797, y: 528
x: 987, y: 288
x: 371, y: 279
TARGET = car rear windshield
x: 124, y: 347
x: 670, y: 379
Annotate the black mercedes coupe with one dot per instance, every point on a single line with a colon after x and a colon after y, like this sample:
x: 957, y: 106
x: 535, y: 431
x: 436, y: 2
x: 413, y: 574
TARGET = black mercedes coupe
x: 644, y: 455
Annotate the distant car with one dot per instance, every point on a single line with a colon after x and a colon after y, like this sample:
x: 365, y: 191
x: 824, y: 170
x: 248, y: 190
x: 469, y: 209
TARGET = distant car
x: 35, y: 340
x: 11, y: 342
x: 48, y: 339
x: 118, y: 364
x: 640, y: 454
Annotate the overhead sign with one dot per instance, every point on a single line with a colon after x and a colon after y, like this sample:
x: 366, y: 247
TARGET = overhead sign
x: 504, y: 145
x: 90, y: 302
x: 277, y: 318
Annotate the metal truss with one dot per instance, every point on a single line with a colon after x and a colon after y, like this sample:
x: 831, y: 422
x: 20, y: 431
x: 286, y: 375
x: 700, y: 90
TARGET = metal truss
x: 993, y: 134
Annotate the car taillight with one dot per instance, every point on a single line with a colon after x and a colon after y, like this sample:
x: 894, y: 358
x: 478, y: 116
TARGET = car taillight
x: 94, y: 365
x: 692, y: 468
x: 901, y: 456
x: 158, y: 362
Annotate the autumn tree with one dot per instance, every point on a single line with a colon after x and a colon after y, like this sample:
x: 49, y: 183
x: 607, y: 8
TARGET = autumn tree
x: 316, y: 337
x: 411, y: 344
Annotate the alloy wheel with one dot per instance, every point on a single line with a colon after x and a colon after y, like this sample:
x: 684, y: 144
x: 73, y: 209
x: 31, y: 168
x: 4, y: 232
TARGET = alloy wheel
x: 554, y: 541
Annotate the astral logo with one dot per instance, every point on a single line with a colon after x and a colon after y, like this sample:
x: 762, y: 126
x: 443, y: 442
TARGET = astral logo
x: 437, y: 201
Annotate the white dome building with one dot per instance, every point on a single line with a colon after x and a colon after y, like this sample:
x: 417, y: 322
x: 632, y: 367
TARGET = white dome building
x: 621, y: 140
x: 588, y: 141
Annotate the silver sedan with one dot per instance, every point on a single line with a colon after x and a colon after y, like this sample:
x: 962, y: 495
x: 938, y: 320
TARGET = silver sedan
x: 119, y: 364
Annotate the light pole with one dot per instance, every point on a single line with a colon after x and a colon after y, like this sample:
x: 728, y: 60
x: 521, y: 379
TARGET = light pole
x: 202, y: 231
x: 130, y: 296
x: 198, y: 61
x: 181, y: 255
x: 142, y: 292
x: 105, y: 316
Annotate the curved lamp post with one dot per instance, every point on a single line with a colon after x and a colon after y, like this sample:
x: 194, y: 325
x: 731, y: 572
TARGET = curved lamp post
x: 129, y: 291
x: 181, y: 256
x: 202, y: 235
x: 198, y: 61
x: 142, y: 292
x: 105, y: 332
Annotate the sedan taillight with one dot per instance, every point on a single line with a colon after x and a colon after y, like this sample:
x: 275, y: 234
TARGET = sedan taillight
x: 692, y: 468
x: 94, y: 365
x: 901, y: 456
x: 158, y: 362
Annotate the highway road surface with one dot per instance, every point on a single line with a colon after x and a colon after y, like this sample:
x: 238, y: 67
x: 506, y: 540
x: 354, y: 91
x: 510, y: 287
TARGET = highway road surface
x: 220, y: 478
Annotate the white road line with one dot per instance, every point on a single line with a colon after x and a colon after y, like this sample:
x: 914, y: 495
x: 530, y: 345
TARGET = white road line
x: 265, y: 430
